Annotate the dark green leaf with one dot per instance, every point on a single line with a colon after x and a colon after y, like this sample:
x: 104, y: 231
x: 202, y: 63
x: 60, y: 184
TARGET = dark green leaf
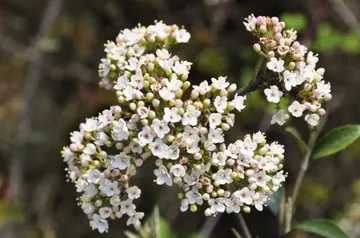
x: 275, y: 200
x: 303, y: 146
x: 297, y: 21
x: 323, y: 228
x: 336, y: 140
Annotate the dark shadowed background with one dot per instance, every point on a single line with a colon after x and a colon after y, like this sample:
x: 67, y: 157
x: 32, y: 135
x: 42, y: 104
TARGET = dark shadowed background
x: 49, y: 53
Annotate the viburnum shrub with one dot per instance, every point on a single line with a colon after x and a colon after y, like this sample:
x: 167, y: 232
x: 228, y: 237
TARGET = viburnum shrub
x: 161, y: 118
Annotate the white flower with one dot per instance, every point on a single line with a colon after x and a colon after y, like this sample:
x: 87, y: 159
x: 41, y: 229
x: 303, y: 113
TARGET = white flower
x: 120, y: 161
x: 289, y: 79
x: 233, y: 204
x: 132, y: 93
x: 163, y: 176
x: 275, y: 65
x: 247, y: 147
x: 194, y: 196
x: 109, y: 188
x: 172, y: 152
x: 259, y: 137
x: 105, y: 118
x: 158, y: 148
x: 250, y: 23
x: 166, y: 94
x: 120, y: 131
x: 312, y: 119
x: 90, y: 149
x: 216, y: 135
x: 115, y: 201
x: 160, y: 127
x: 296, y: 109
x: 166, y: 64
x: 280, y: 117
x: 104, y: 67
x: 88, y: 208
x: 174, y: 84
x: 184, y: 205
x: 190, y: 116
x: 127, y: 207
x: 203, y: 88
x: 217, y: 205
x: 133, y: 192
x: 132, y: 64
x: 215, y: 120
x: 182, y: 36
x: 261, y: 200
x: 220, y: 83
x: 171, y: 115
x: 146, y: 136
x: 239, y: 102
x: 163, y: 53
x: 223, y: 176
x: 322, y: 89
x: 277, y: 149
x: 77, y: 137
x: 105, y: 212
x: 137, y: 80
x: 90, y: 191
x: 180, y: 68
x: 312, y: 59
x: 245, y: 195
x: 177, y: 170
x: 94, y: 176
x: 273, y: 94
x: 280, y: 176
x: 261, y: 178
x: 220, y: 103
x: 143, y: 112
x: 135, y: 219
x: 131, y: 37
x: 90, y: 125
x: 99, y: 223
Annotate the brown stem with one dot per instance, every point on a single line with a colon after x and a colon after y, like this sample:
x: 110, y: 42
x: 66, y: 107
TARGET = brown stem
x: 255, y: 81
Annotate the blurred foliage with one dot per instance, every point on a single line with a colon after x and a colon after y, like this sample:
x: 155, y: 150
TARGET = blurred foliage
x: 297, y: 21
x: 212, y: 62
x: 329, y: 39
x: 313, y: 192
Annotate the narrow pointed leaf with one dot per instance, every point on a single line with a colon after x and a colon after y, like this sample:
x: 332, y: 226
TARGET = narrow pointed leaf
x: 324, y: 228
x: 236, y: 233
x: 336, y: 140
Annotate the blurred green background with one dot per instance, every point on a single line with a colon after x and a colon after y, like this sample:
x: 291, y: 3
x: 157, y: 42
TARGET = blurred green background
x: 49, y: 52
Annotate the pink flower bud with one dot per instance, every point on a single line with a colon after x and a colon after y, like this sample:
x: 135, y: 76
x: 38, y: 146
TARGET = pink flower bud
x: 263, y: 28
x: 257, y: 47
x: 321, y: 112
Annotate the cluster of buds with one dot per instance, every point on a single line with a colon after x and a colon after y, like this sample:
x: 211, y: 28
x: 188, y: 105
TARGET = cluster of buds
x: 161, y: 117
x: 295, y: 70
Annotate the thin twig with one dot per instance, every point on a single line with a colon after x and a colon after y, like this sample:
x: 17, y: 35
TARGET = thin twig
x: 347, y: 15
x: 305, y: 162
x: 243, y: 225
x: 255, y: 81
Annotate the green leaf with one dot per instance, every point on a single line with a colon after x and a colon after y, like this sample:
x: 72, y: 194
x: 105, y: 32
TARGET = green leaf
x: 323, y: 228
x: 336, y: 140
x: 156, y: 223
x: 129, y: 234
x: 165, y: 230
x: 275, y: 200
x: 303, y: 146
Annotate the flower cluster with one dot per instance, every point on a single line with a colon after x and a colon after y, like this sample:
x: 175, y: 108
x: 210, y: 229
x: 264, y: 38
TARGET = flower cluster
x: 295, y: 68
x: 161, y: 117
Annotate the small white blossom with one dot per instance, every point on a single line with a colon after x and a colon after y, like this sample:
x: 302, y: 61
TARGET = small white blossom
x: 312, y: 119
x: 171, y: 115
x: 133, y: 192
x: 220, y: 103
x: 177, y: 170
x: 245, y: 195
x: 280, y: 117
x: 220, y: 83
x: 190, y: 116
x: 239, y: 102
x: 163, y: 177
x: 296, y: 109
x: 273, y: 94
x: 275, y: 65
x: 99, y: 223
x: 215, y: 120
